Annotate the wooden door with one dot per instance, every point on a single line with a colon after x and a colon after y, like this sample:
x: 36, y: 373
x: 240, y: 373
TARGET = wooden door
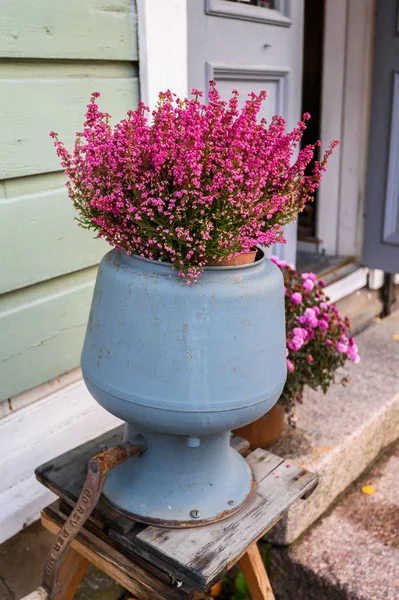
x: 250, y: 48
x: 381, y: 233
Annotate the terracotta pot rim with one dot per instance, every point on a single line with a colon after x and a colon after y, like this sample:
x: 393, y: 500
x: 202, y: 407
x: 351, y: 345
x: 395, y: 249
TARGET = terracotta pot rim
x: 168, y: 265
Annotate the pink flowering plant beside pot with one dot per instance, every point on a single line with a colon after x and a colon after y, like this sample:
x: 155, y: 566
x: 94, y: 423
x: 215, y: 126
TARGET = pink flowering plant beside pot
x: 318, y: 338
x: 193, y: 184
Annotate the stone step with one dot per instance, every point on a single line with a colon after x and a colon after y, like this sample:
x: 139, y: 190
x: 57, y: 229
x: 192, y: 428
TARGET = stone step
x: 353, y: 552
x: 339, y: 434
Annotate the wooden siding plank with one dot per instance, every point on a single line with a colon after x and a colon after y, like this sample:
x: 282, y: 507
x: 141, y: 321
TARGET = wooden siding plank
x: 94, y: 29
x: 42, y: 329
x: 30, y: 108
x: 41, y: 239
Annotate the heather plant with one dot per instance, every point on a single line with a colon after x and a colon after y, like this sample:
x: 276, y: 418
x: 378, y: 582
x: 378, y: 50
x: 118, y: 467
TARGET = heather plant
x: 318, y: 338
x: 194, y: 183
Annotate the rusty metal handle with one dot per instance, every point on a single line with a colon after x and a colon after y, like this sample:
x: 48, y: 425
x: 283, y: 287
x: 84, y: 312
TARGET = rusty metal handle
x: 98, y: 468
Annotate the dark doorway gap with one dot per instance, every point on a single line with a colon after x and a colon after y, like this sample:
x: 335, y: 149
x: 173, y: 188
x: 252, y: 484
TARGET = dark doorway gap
x: 311, y: 99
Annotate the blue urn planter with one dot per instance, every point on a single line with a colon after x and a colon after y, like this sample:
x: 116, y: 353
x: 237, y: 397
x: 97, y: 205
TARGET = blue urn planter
x: 183, y: 365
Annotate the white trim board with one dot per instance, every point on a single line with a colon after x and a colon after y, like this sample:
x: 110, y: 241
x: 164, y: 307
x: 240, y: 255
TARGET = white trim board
x: 347, y: 284
x: 163, y: 48
x: 35, y: 434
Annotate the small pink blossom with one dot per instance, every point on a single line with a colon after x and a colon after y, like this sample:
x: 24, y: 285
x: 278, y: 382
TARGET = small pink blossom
x: 296, y: 298
x: 295, y: 343
x: 308, y: 284
x: 311, y: 276
x: 341, y: 347
x: 353, y: 351
x: 310, y: 359
x: 300, y: 332
x: 310, y: 317
x: 290, y: 365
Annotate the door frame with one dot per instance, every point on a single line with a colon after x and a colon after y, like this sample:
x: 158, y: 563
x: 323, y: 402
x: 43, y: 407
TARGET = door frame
x: 346, y: 102
x: 163, y: 25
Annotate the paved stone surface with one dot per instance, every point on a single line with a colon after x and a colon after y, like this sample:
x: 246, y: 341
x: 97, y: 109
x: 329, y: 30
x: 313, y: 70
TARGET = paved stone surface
x: 353, y: 552
x: 21, y: 564
x: 339, y: 434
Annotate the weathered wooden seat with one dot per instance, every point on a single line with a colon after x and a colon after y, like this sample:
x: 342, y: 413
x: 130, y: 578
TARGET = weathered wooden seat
x: 170, y: 564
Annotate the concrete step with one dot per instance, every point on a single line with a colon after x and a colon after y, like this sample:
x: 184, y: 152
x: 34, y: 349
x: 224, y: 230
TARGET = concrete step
x: 339, y: 434
x: 352, y: 553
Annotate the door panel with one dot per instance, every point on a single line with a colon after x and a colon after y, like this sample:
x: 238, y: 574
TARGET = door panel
x: 381, y: 240
x: 250, y: 48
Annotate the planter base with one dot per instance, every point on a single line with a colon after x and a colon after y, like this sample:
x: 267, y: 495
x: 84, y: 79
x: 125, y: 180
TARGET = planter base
x: 177, y: 481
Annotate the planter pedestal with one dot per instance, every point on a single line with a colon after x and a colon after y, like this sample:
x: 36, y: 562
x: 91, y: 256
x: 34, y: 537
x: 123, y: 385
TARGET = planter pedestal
x: 178, y: 482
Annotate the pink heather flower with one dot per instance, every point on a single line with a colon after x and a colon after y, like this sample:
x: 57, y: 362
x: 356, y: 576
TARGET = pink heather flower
x: 310, y: 358
x: 296, y: 298
x: 323, y: 305
x: 275, y: 260
x: 308, y: 284
x: 290, y: 365
x: 198, y: 181
x: 316, y: 310
x: 291, y: 267
x: 322, y: 283
x: 328, y: 343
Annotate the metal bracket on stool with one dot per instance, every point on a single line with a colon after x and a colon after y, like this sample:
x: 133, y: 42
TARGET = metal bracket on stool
x: 98, y: 468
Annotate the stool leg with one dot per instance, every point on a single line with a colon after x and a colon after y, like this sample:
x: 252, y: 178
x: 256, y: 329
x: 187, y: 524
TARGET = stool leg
x: 71, y: 573
x: 251, y: 564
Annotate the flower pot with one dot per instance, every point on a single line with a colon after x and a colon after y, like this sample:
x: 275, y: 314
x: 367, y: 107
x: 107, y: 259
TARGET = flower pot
x: 266, y: 430
x: 183, y: 365
x: 240, y: 259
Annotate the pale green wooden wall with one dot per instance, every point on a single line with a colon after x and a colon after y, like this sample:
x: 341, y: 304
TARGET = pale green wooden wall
x: 52, y: 56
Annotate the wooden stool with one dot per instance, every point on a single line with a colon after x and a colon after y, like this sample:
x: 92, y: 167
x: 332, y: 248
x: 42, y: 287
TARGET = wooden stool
x: 169, y: 564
